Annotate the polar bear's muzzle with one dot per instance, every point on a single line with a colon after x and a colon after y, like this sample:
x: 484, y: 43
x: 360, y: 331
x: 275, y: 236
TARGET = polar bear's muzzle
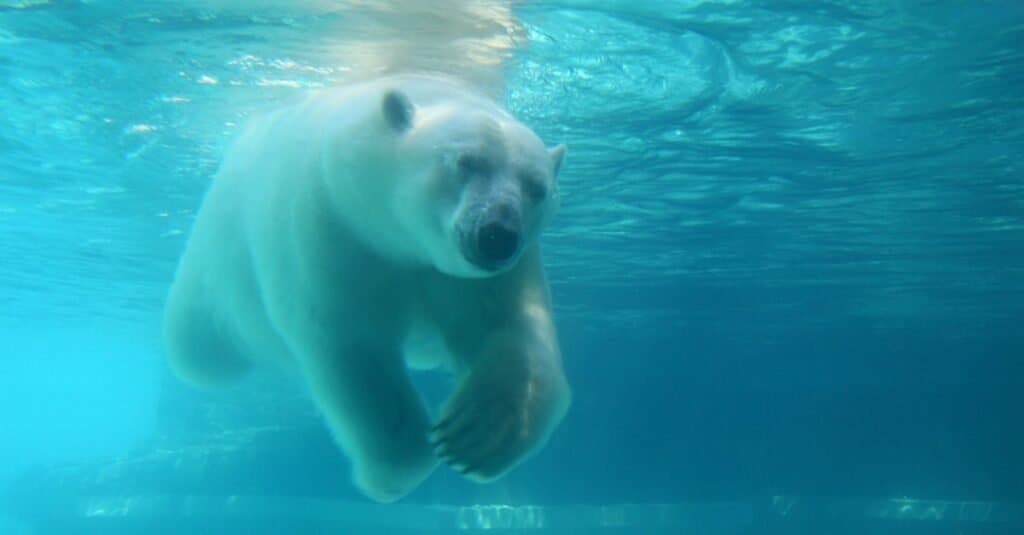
x: 495, y: 240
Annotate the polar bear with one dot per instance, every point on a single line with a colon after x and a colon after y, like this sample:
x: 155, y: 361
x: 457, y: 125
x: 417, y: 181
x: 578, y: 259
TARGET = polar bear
x: 372, y: 228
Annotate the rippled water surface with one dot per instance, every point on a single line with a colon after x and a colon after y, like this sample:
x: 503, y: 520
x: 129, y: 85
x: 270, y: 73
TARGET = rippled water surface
x: 861, y: 147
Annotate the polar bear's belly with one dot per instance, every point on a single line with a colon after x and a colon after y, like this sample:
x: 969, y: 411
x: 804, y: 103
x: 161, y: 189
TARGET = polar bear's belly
x: 424, y: 347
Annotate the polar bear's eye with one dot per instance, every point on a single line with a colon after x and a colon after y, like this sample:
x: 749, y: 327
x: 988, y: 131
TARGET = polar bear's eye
x: 472, y: 164
x: 534, y: 187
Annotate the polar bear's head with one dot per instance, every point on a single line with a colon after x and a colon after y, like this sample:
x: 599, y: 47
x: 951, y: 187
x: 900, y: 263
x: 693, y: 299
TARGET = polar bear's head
x: 477, y: 187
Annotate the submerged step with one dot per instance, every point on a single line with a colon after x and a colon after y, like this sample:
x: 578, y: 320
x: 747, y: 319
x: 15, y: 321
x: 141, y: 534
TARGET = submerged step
x: 270, y: 514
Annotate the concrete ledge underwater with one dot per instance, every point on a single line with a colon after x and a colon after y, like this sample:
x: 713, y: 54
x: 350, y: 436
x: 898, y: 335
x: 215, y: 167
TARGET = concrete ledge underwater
x: 255, y: 514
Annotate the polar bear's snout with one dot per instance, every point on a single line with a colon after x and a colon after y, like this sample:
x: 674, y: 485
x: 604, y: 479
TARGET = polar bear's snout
x: 495, y: 241
x: 498, y: 239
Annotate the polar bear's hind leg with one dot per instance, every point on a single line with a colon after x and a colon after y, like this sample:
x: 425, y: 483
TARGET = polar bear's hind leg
x: 198, y: 349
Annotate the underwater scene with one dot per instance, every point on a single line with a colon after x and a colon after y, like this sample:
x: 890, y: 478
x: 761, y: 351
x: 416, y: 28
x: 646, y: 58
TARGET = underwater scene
x: 481, y: 266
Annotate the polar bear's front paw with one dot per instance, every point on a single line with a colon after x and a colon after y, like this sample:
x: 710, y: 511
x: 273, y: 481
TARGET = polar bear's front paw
x: 491, y: 423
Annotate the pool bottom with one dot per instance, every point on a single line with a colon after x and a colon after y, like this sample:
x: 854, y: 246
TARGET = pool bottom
x: 157, y: 515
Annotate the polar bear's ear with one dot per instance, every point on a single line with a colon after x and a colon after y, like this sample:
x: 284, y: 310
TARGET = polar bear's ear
x: 398, y: 111
x: 557, y: 154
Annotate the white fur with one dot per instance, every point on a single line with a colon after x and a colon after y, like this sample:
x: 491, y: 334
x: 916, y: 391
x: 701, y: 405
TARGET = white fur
x: 328, y: 240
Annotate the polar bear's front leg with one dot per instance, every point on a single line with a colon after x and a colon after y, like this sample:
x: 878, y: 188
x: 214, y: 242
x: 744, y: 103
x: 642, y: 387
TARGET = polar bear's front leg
x: 377, y: 417
x: 508, y: 402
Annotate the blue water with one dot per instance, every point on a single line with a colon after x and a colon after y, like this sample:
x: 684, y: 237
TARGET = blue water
x: 789, y: 259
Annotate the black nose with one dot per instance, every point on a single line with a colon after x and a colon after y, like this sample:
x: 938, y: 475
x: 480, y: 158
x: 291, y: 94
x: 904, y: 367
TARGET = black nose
x: 497, y: 242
